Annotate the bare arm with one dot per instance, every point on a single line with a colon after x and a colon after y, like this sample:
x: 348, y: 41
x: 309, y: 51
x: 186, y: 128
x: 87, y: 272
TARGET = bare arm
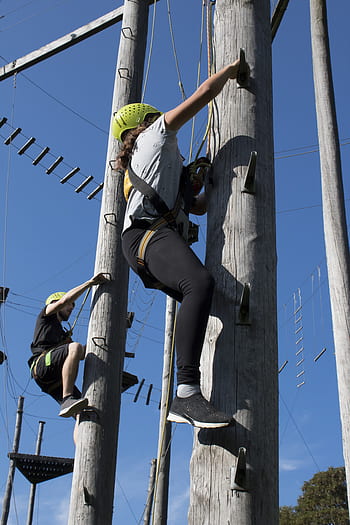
x: 211, y: 87
x: 74, y: 293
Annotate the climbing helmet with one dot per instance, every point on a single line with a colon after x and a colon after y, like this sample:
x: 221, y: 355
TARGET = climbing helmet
x: 131, y: 116
x: 54, y: 297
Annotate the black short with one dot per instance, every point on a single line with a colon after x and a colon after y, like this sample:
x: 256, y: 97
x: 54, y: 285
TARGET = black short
x: 49, y: 377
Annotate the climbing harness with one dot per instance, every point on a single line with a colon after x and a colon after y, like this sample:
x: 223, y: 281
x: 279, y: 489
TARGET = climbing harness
x: 68, y: 339
x: 191, y: 183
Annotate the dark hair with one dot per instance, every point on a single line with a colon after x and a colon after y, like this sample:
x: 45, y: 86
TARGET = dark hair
x: 128, y: 143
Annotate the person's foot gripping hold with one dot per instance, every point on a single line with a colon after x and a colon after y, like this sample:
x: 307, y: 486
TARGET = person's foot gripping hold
x: 71, y: 406
x: 198, y: 412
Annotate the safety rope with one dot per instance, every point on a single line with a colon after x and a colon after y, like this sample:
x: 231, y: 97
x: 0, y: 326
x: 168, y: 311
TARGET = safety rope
x: 209, y: 4
x: 175, y: 53
x: 150, y: 51
x: 198, y: 79
x: 71, y: 328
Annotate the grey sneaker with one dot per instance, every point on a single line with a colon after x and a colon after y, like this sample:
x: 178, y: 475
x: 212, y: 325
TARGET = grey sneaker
x: 72, y: 405
x: 198, y: 412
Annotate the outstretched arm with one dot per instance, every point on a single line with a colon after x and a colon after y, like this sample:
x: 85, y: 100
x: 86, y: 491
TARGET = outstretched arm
x: 211, y: 87
x: 74, y: 293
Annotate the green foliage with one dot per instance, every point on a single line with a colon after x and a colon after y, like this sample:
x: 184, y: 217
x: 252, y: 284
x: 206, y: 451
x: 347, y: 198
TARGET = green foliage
x: 287, y: 516
x: 323, y: 501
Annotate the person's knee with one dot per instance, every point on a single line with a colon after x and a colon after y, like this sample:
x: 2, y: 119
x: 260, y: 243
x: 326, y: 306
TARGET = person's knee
x: 204, y: 282
x: 76, y: 350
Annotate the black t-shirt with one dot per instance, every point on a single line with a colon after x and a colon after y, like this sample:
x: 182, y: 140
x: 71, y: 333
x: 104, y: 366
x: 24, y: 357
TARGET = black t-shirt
x: 48, y: 332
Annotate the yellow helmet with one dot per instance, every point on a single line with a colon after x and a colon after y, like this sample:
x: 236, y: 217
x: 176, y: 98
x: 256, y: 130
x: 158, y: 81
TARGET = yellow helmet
x: 54, y: 297
x: 130, y: 116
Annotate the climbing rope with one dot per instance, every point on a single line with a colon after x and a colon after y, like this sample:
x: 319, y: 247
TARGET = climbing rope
x: 71, y: 328
x: 198, y: 77
x: 209, y: 4
x: 150, y: 51
x: 175, y: 53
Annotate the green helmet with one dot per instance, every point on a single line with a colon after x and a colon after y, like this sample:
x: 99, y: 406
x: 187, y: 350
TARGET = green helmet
x: 54, y: 297
x: 130, y: 116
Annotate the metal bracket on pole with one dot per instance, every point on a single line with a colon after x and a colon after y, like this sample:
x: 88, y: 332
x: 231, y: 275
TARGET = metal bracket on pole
x: 239, y: 474
x: 111, y: 164
x: 243, y: 73
x: 102, y: 345
x: 249, y: 179
x: 87, y: 497
x: 243, y: 309
x: 127, y: 77
x: 129, y: 319
x: 123, y: 32
x: 113, y: 215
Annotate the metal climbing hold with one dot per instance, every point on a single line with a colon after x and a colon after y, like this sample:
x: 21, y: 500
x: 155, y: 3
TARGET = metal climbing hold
x: 243, y: 74
x: 249, y: 179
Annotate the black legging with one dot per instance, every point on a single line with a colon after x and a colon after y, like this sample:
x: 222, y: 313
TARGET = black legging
x: 169, y: 259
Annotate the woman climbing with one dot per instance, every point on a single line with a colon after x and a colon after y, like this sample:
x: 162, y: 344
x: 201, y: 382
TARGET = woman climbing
x: 152, y: 237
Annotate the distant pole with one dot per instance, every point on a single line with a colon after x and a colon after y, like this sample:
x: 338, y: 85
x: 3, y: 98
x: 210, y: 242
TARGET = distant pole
x: 334, y: 217
x: 234, y: 471
x: 161, y: 490
x: 150, y: 493
x: 12, y: 467
x: 33, y: 485
x: 95, y: 460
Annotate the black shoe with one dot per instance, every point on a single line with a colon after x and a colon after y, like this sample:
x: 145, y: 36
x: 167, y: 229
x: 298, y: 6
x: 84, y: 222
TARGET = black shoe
x: 198, y: 412
x: 71, y: 406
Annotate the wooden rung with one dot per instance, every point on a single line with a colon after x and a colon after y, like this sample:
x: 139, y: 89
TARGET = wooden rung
x: 69, y: 175
x: 83, y: 184
x: 139, y: 390
x: 95, y: 191
x: 282, y: 366
x: 12, y: 136
x: 26, y: 146
x: 54, y: 165
x: 320, y: 354
x: 41, y: 156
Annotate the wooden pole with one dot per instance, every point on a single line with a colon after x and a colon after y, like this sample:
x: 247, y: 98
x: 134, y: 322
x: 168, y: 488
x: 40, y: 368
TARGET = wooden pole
x: 12, y: 467
x: 95, y: 460
x: 277, y: 16
x: 33, y: 485
x: 161, y: 491
x: 150, y: 493
x: 234, y: 471
x: 334, y: 218
x: 72, y: 38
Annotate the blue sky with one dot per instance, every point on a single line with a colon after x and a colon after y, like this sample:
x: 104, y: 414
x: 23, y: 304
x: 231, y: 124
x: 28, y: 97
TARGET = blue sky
x: 48, y: 237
